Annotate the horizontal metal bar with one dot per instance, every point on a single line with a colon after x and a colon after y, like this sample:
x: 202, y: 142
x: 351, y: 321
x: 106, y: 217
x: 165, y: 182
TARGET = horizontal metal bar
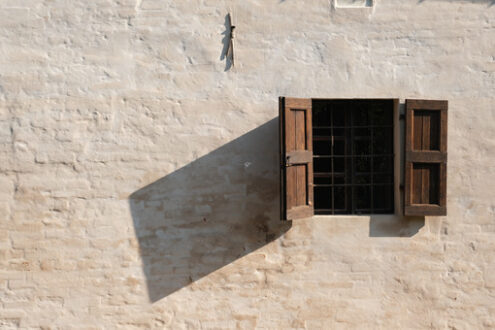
x: 351, y: 184
x: 365, y: 126
x: 339, y: 137
x: 328, y: 138
x: 330, y: 210
x: 352, y: 156
x: 346, y: 212
x: 328, y: 174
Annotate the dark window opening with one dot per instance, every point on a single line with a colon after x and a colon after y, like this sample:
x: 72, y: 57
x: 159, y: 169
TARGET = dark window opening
x: 353, y: 156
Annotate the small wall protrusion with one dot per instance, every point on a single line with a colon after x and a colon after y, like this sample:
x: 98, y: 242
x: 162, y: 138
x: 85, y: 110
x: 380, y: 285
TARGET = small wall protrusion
x: 354, y: 3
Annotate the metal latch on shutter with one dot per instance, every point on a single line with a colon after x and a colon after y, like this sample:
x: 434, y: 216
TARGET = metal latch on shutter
x: 298, y: 157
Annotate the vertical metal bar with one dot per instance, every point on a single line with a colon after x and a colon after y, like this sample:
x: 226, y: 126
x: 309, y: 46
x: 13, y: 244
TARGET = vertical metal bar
x: 331, y: 161
x: 350, y: 160
x: 372, y: 158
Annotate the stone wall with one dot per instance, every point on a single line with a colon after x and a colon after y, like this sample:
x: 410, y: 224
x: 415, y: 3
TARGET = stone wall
x: 139, y: 171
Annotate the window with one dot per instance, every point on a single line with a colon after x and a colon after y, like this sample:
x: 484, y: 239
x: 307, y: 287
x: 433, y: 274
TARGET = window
x: 337, y: 157
x: 353, y: 156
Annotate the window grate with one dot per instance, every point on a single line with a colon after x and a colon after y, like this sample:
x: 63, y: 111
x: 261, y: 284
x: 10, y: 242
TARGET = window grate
x: 353, y: 156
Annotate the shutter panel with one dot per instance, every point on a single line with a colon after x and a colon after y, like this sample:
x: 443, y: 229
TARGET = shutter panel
x: 425, y: 189
x: 296, y: 158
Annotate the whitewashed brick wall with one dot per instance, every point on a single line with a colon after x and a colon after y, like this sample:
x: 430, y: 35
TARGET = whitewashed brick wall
x: 139, y: 177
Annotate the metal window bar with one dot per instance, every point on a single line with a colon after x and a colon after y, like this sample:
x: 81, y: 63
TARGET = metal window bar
x: 350, y: 172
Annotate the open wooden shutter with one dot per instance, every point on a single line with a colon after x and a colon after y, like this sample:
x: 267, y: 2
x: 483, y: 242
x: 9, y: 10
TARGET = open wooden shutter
x: 425, y: 190
x: 296, y: 158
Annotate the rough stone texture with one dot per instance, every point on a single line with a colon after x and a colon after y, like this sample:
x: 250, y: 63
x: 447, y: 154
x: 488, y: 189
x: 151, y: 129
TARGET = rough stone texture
x: 139, y: 180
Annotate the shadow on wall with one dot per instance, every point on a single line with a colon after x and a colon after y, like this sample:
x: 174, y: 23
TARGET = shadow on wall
x: 395, y: 225
x: 209, y: 213
x: 226, y: 43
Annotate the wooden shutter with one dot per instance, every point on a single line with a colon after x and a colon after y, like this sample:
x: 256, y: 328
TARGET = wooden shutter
x: 425, y: 189
x: 296, y: 158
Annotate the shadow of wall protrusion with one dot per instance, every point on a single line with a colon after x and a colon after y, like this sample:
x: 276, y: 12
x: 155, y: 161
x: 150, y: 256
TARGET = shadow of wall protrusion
x: 210, y: 212
x: 395, y: 226
x: 226, y: 42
